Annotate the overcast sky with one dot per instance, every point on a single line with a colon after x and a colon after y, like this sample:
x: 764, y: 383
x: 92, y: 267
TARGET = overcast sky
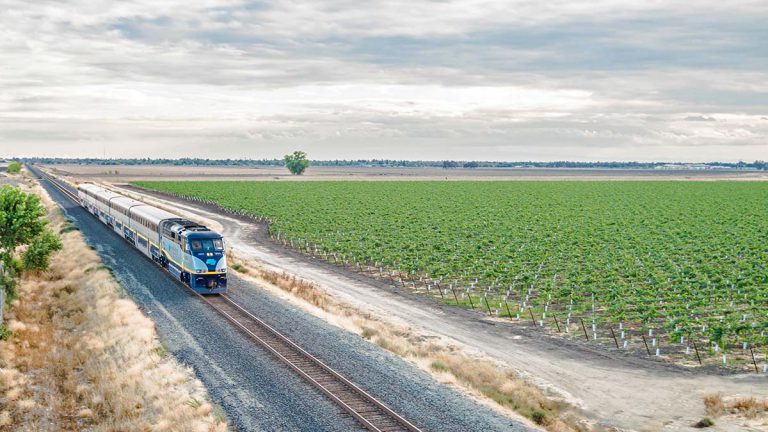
x: 349, y: 79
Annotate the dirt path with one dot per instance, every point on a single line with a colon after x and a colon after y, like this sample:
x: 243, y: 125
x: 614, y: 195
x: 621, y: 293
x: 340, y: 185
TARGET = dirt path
x: 617, y: 390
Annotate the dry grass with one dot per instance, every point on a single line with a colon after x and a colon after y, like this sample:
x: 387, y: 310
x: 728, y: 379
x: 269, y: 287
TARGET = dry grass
x: 298, y: 287
x: 746, y: 407
x: 481, y: 378
x: 713, y: 405
x: 84, y: 357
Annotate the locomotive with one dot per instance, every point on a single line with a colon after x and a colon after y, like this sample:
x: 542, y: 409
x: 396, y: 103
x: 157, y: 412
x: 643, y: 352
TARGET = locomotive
x: 192, y: 253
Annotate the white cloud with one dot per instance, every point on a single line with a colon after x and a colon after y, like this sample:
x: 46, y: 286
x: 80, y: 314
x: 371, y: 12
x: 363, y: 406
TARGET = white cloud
x: 342, y: 79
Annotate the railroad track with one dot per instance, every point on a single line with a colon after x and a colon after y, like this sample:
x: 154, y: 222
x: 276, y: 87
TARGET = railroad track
x: 367, y: 410
x: 55, y: 183
x: 371, y: 413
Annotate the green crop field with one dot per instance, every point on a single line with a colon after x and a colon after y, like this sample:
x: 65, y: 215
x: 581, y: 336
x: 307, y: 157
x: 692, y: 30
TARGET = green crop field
x: 666, y: 260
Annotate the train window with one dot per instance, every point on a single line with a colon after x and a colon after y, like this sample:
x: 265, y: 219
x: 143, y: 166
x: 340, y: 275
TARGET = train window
x: 207, y: 245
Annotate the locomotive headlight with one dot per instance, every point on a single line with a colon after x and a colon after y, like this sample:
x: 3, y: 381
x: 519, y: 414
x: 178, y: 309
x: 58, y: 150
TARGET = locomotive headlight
x: 223, y: 270
x: 200, y: 271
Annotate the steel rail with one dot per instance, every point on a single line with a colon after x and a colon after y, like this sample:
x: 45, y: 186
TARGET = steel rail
x: 45, y: 176
x: 367, y: 410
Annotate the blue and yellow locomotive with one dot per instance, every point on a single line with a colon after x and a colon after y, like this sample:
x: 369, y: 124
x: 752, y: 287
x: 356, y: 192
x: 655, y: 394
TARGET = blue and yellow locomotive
x: 191, y: 252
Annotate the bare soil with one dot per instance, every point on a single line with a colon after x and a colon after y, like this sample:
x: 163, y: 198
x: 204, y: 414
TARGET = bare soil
x: 128, y: 173
x: 614, y: 389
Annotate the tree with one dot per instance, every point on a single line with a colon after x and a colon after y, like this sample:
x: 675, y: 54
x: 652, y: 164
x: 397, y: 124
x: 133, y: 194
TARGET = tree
x: 22, y: 222
x: 296, y: 162
x: 450, y: 164
x: 14, y: 168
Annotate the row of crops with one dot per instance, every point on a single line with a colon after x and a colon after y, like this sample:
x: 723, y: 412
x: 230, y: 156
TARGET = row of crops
x: 647, y: 265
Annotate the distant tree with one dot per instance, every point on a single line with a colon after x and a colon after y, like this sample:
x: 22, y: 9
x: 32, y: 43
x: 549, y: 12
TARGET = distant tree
x: 14, y: 167
x: 297, y: 162
x: 471, y: 164
x: 450, y: 164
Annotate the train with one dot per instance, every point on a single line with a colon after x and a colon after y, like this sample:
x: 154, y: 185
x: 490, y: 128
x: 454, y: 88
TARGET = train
x: 190, y: 252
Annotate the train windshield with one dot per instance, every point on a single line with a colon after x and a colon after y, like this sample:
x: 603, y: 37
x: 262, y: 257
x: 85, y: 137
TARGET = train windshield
x: 207, y: 245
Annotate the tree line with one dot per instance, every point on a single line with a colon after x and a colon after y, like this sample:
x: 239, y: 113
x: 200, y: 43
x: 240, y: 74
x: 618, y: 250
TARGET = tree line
x: 398, y: 163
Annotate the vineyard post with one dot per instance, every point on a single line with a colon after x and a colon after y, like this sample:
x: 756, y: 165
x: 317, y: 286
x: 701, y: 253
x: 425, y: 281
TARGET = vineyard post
x: 440, y: 289
x: 508, y: 312
x: 754, y: 362
x: 583, y: 327
x: 533, y: 320
x: 454, y: 295
x: 469, y: 296
x: 487, y: 305
x: 695, y: 348
x: 614, y: 338
x: 556, y: 323
x: 646, y: 344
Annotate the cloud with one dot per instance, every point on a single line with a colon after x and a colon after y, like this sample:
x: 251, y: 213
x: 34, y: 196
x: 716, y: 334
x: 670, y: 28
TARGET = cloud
x: 699, y: 118
x: 451, y: 79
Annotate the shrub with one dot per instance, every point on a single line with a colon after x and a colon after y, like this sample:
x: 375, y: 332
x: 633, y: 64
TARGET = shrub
x: 37, y: 255
x: 5, y: 333
x: 538, y: 416
x: 704, y: 423
x: 239, y: 268
x: 14, y: 168
x: 439, y: 366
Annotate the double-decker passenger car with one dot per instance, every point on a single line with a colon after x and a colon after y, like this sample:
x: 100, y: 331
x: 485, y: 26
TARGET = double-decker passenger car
x: 191, y: 252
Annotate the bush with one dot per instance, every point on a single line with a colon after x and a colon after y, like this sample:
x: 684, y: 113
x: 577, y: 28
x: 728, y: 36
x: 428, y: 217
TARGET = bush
x: 538, y: 416
x: 439, y: 366
x: 238, y: 268
x: 37, y: 255
x: 14, y: 168
x: 704, y: 423
x: 4, y: 332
